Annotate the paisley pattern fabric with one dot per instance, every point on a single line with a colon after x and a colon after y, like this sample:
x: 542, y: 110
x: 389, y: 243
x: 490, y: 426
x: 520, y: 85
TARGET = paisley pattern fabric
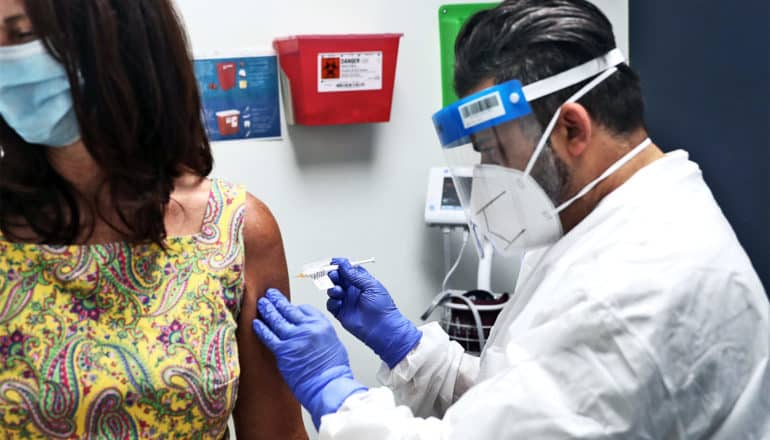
x: 123, y: 341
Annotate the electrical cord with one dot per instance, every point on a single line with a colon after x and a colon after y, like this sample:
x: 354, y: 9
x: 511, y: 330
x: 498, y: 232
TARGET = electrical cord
x: 449, y: 274
x: 445, y: 296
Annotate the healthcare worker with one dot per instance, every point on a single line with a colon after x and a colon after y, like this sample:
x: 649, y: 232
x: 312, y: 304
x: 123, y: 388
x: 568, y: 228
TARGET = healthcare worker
x: 637, y: 314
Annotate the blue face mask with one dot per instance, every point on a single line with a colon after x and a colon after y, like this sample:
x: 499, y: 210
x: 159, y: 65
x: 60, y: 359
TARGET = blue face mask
x: 35, y: 96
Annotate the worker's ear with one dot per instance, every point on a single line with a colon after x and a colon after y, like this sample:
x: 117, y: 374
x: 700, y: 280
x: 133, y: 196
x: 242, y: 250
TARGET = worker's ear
x: 573, y: 130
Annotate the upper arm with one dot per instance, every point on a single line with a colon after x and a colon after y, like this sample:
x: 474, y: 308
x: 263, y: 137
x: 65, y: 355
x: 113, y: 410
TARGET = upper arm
x: 266, y: 407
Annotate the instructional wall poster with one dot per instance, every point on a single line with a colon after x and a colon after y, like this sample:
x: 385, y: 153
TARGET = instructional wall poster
x: 240, y: 95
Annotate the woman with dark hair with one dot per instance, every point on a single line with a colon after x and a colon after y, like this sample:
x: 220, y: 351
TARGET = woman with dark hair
x: 128, y: 280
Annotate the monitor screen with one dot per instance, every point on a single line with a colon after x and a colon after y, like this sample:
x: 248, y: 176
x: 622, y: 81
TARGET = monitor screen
x: 449, y: 197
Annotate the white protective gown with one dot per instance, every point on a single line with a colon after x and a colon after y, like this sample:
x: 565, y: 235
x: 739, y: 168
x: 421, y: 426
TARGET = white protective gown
x: 647, y: 321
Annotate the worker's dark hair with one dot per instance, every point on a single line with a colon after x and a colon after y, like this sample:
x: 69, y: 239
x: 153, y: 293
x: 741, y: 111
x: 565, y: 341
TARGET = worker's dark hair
x: 139, y: 110
x: 533, y: 39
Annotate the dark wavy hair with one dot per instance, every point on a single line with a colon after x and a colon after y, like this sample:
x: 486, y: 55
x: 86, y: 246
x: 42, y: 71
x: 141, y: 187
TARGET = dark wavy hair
x: 139, y: 109
x: 533, y: 39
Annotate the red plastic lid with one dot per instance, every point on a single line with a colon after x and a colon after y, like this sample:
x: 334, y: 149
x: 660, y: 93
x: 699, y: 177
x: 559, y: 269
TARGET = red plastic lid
x: 340, y: 37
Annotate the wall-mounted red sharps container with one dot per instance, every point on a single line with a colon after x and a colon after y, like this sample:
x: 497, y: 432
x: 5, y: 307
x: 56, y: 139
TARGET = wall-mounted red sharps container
x: 338, y: 79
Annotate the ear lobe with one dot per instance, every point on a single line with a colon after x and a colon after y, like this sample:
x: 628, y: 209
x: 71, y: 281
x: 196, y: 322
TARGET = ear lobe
x: 577, y: 124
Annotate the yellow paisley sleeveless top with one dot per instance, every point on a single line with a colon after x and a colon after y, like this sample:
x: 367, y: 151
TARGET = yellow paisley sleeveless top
x: 122, y: 341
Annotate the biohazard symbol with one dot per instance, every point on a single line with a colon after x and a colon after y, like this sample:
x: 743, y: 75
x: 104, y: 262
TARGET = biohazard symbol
x: 330, y: 68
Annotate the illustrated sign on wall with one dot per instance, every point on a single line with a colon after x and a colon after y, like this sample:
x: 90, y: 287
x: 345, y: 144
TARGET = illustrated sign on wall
x: 240, y: 96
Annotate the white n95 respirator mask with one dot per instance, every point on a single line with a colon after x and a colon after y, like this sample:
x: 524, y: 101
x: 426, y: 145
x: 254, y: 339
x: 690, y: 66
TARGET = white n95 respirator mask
x: 493, y: 137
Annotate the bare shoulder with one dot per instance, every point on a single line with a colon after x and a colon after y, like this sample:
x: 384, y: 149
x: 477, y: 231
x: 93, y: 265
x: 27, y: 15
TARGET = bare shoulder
x: 263, y: 245
x: 260, y: 229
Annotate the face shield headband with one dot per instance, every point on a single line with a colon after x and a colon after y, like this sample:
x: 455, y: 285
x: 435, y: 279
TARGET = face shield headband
x: 456, y: 123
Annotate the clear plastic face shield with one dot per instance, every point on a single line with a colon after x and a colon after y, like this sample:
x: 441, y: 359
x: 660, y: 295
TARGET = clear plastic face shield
x: 508, y: 179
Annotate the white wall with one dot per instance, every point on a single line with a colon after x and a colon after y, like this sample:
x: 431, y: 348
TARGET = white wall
x: 354, y: 191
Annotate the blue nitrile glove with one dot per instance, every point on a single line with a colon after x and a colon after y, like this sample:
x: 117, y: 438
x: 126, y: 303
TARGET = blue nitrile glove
x: 310, y: 357
x: 365, y: 309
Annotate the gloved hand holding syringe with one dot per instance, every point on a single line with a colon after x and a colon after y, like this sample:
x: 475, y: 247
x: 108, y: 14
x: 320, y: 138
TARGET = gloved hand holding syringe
x: 319, y: 271
x: 309, y: 354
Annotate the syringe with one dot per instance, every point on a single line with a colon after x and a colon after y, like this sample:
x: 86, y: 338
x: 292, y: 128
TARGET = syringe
x: 322, y: 271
